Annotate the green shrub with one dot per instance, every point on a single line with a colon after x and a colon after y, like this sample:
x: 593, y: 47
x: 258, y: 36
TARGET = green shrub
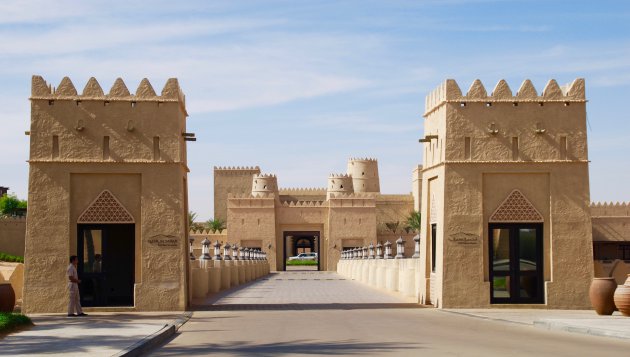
x: 10, y: 258
x: 301, y: 262
x: 10, y: 321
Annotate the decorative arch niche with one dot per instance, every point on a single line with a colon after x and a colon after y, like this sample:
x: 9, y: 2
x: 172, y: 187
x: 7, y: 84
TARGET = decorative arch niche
x: 516, y: 208
x: 105, y: 209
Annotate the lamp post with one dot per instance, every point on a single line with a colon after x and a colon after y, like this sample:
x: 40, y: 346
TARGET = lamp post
x: 379, y: 251
x: 371, y: 248
x: 191, y: 240
x: 226, y: 252
x: 217, y: 250
x: 400, y: 248
x: 388, y: 250
x: 416, y: 246
x: 205, y: 250
x: 234, y: 252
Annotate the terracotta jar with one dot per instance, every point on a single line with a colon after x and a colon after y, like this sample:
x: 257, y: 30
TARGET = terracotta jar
x: 622, y: 297
x: 7, y: 297
x: 601, y: 293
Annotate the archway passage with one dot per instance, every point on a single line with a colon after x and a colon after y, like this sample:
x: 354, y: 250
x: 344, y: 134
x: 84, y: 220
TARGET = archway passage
x: 301, y: 250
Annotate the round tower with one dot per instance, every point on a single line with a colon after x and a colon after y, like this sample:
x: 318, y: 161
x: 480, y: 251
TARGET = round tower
x: 264, y: 184
x: 339, y: 183
x: 364, y: 174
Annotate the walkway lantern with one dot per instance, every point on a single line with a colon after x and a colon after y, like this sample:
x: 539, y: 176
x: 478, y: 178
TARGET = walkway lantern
x: 217, y: 250
x: 379, y: 251
x: 388, y: 250
x: 192, y: 253
x: 227, y: 252
x: 400, y: 248
x: 250, y: 253
x: 416, y: 246
x: 245, y: 253
x: 371, y: 251
x: 241, y: 252
x: 234, y: 252
x: 365, y: 253
x: 205, y: 250
x: 355, y: 253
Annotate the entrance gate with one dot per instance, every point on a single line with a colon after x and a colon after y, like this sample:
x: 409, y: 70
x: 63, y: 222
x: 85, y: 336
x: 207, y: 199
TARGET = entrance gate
x: 300, y: 242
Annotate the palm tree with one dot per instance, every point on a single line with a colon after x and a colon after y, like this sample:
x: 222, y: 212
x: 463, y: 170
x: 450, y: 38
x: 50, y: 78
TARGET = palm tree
x: 413, y: 222
x: 191, y: 218
x: 216, y: 224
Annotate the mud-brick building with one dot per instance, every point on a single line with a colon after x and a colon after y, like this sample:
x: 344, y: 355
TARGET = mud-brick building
x: 505, y: 197
x: 108, y: 183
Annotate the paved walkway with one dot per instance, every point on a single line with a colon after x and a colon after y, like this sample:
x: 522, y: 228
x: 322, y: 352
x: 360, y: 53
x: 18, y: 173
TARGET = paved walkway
x: 579, y: 321
x: 99, y: 334
x: 303, y: 290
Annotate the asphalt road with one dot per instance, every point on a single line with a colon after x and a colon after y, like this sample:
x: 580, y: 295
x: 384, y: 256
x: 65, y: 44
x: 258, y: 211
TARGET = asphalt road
x: 374, y: 332
x: 289, y: 315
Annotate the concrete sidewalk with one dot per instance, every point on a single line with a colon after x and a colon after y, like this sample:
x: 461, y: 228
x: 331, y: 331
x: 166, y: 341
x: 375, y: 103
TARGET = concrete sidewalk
x: 99, y: 334
x: 579, y: 321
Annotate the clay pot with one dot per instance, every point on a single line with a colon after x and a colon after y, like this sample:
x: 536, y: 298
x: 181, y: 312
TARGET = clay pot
x: 7, y: 297
x: 601, y: 293
x: 622, y: 297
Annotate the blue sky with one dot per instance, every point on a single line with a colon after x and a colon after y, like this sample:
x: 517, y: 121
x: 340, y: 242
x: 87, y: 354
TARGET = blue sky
x: 297, y: 87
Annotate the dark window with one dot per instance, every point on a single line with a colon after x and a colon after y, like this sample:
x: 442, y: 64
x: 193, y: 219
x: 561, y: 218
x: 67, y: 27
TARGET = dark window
x: 433, y: 246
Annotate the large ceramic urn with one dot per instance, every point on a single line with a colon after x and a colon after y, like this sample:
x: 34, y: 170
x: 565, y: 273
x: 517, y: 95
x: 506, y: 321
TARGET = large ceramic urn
x: 602, y: 293
x: 7, y: 297
x: 622, y: 297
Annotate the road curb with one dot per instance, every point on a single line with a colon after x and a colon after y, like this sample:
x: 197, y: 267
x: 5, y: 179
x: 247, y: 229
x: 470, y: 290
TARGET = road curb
x: 562, y: 326
x: 152, y: 341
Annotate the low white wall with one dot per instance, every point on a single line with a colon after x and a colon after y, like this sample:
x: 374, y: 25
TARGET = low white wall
x: 212, y: 276
x: 395, y: 275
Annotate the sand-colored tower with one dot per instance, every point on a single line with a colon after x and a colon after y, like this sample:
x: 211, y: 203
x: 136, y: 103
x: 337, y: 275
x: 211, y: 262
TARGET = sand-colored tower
x: 364, y: 174
x: 264, y: 184
x: 339, y: 183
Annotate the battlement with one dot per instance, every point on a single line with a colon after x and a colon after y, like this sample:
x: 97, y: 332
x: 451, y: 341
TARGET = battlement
x: 339, y: 176
x: 355, y: 195
x: 66, y: 90
x: 303, y: 191
x: 236, y: 168
x: 449, y: 91
x: 362, y: 159
x: 313, y: 204
x: 258, y: 176
x: 240, y: 196
x: 610, y: 209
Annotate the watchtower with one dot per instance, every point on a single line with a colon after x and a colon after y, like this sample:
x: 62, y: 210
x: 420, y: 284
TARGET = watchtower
x: 339, y: 183
x: 364, y: 174
x: 108, y: 183
x: 505, y: 183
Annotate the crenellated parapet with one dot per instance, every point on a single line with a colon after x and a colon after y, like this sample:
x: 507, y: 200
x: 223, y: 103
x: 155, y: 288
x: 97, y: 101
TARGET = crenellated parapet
x: 236, y: 170
x: 302, y: 191
x: 610, y: 209
x: 449, y: 91
x: 339, y: 183
x: 66, y: 90
x: 303, y: 204
x: 256, y: 200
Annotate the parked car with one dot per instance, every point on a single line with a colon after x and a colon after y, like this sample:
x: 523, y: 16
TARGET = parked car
x: 304, y: 256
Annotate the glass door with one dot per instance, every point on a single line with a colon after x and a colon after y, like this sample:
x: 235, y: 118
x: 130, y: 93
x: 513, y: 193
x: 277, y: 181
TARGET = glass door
x: 516, y: 258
